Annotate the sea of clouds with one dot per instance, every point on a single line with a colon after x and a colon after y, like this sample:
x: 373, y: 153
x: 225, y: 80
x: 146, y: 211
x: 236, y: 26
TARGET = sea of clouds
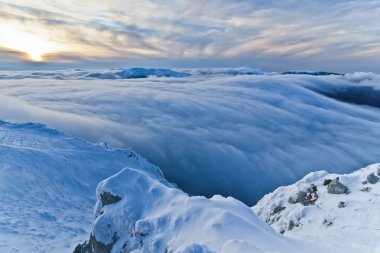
x: 241, y: 133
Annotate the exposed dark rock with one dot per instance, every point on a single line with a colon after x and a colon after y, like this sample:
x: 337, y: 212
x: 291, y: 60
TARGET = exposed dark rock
x: 378, y: 171
x: 336, y: 187
x: 107, y: 198
x: 365, y: 182
x: 305, y: 198
x: 278, y: 209
x: 292, y: 225
x: 326, y: 182
x: 327, y: 222
x: 372, y: 179
x: 366, y: 189
x: 342, y: 204
x: 298, y: 198
x: 275, y: 215
x: 94, y: 246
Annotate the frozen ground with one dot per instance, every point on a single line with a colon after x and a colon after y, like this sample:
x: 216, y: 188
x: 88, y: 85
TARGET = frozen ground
x: 238, y: 132
x: 47, y: 186
x: 347, y: 222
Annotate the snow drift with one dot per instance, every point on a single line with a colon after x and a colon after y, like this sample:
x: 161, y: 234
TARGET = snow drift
x: 235, y: 135
x: 47, y: 183
x: 136, y: 212
x: 344, y: 214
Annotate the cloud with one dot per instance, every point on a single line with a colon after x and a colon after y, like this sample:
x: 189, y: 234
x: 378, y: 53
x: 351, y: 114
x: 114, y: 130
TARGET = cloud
x: 235, y: 135
x: 335, y: 35
x: 100, y: 74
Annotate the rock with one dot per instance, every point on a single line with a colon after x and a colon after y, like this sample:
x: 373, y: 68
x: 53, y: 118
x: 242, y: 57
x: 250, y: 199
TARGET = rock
x: 378, y: 171
x: 298, y: 198
x: 372, y: 179
x: 291, y: 225
x: 326, y: 182
x: 107, y: 198
x: 342, y: 204
x: 94, y: 246
x: 336, y: 187
x: 365, y: 182
x: 305, y: 198
x: 366, y: 189
x: 278, y: 209
x: 328, y: 222
x: 275, y: 215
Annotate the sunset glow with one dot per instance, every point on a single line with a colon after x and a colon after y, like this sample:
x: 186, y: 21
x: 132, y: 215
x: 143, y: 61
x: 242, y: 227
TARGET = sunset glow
x: 32, y: 47
x: 268, y: 34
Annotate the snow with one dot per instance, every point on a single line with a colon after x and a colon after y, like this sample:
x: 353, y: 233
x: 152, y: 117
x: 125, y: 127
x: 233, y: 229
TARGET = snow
x: 153, y: 216
x: 47, y: 183
x: 91, y: 74
x: 235, y: 135
x: 352, y: 227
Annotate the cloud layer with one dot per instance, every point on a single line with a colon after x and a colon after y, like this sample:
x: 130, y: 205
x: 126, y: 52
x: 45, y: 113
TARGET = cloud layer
x: 332, y: 35
x: 235, y: 135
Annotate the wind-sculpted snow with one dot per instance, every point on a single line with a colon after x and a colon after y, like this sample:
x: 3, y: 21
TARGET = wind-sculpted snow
x: 232, y: 135
x: 150, y: 216
x: 47, y: 183
x: 346, y: 222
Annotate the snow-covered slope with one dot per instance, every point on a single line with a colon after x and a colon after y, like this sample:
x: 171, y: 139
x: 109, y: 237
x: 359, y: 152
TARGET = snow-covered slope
x: 342, y: 214
x: 136, y: 212
x: 47, y: 184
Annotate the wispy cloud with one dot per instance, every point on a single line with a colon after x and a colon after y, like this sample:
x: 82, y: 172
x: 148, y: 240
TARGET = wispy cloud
x: 312, y: 31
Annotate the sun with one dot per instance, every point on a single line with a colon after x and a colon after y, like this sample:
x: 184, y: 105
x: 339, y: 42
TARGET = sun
x: 35, y: 56
x: 32, y: 46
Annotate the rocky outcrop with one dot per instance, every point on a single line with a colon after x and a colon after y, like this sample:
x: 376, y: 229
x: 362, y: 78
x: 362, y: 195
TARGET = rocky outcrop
x: 336, y: 187
x: 94, y: 246
x: 372, y: 179
x: 108, y: 198
x: 305, y: 198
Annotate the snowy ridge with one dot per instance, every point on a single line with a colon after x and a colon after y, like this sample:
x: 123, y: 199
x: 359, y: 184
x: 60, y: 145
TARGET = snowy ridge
x: 312, y: 73
x: 344, y: 220
x: 101, y: 74
x: 47, y: 183
x: 133, y: 73
x: 138, y: 213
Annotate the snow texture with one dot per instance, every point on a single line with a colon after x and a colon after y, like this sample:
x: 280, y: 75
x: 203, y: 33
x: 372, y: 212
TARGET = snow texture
x: 341, y: 222
x: 47, y: 184
x: 152, y: 216
x: 231, y: 134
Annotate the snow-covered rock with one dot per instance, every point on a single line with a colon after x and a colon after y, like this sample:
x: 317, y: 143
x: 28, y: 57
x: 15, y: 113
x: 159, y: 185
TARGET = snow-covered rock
x: 149, y: 215
x: 47, y: 184
x: 347, y: 222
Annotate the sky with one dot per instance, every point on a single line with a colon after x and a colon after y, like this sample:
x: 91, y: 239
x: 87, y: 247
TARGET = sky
x: 332, y: 35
